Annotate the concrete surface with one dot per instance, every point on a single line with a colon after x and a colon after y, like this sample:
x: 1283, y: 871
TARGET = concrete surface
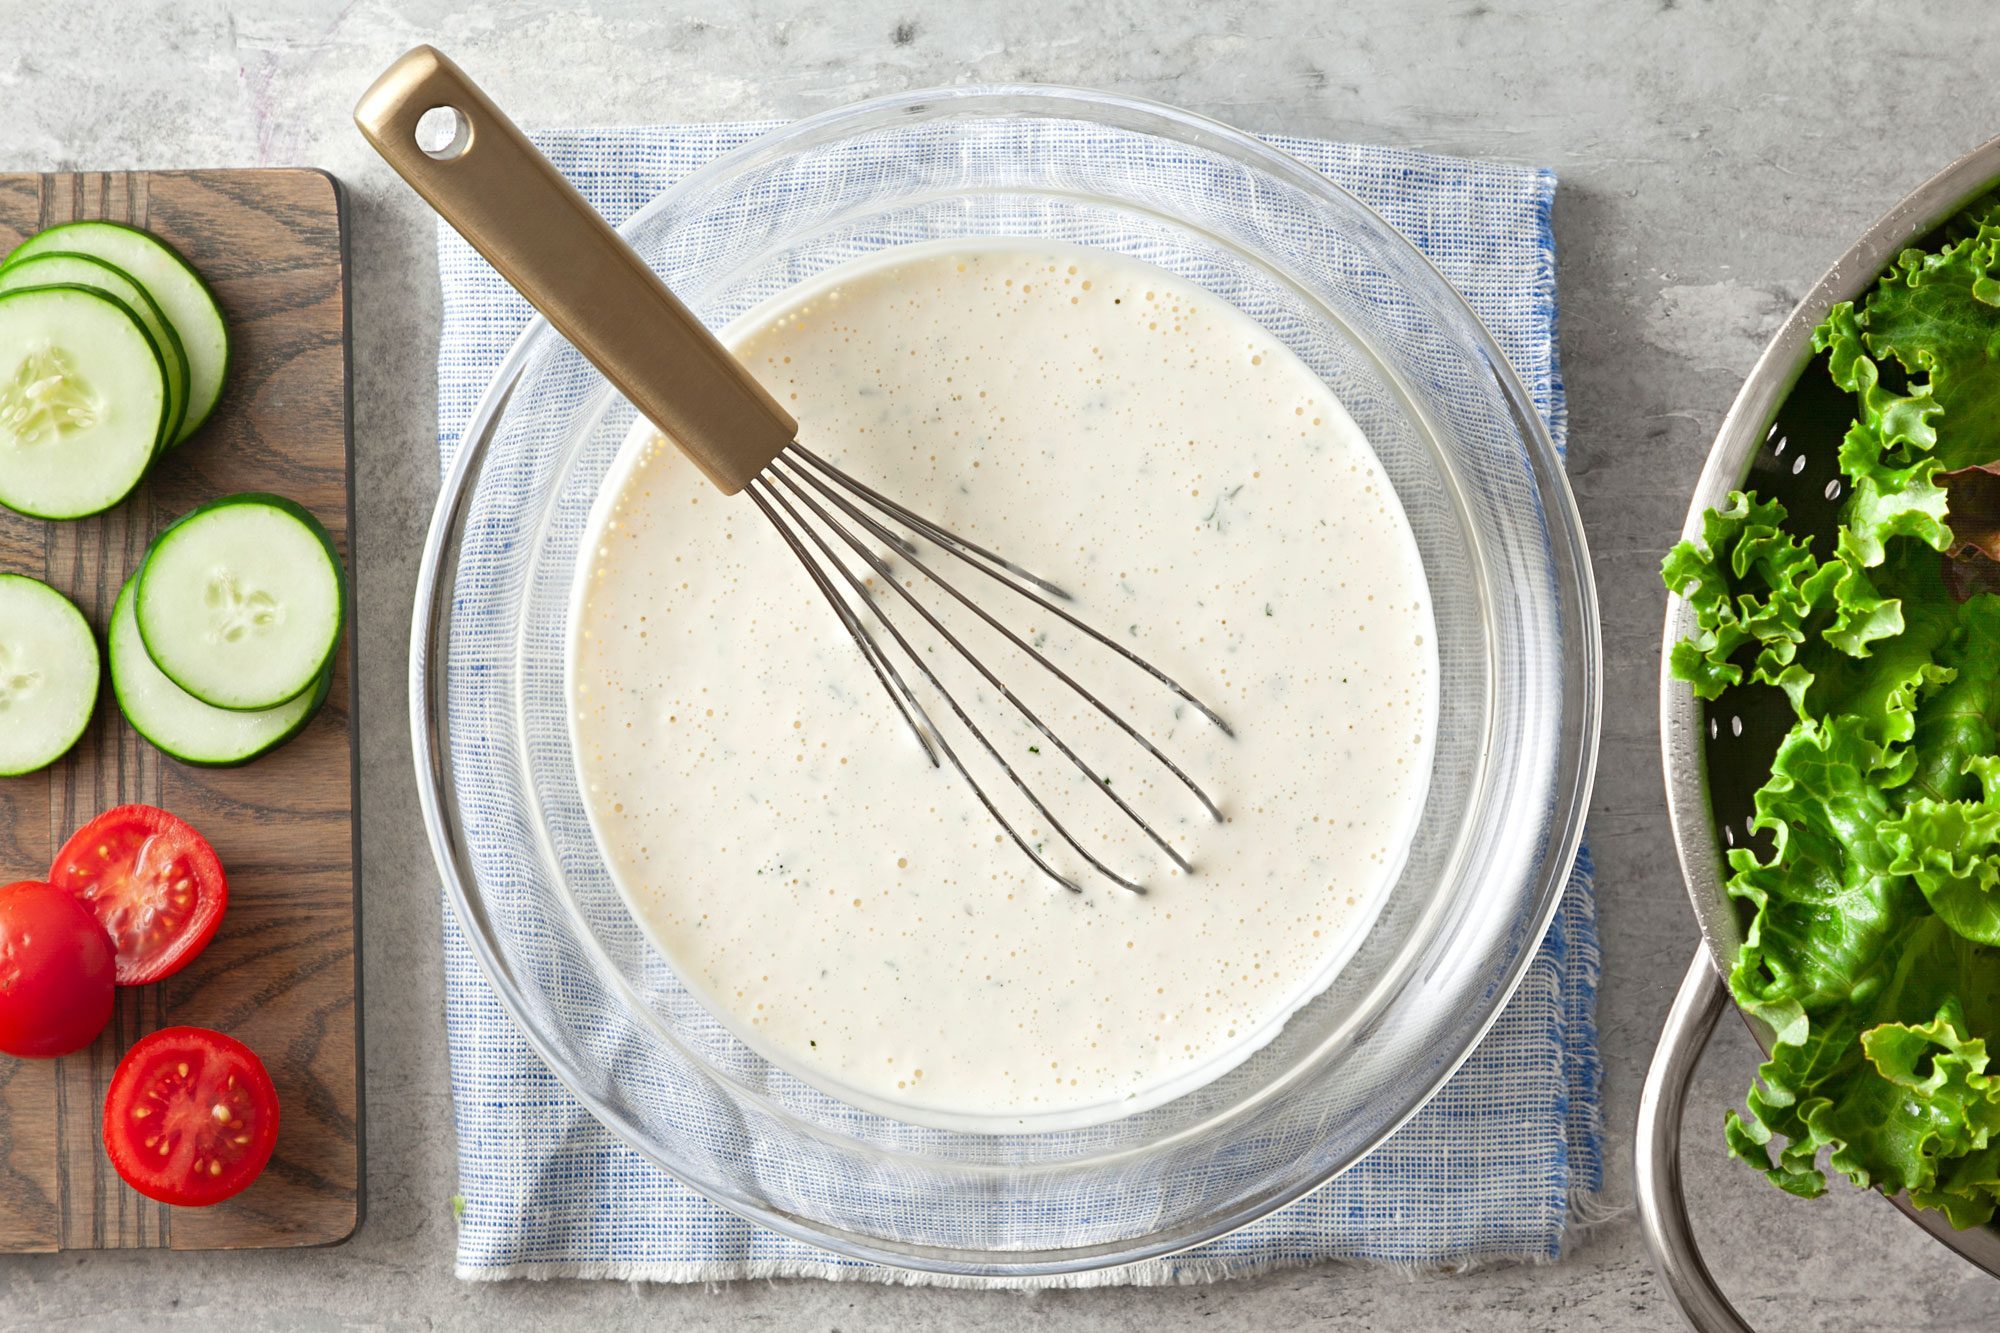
x: 1715, y: 156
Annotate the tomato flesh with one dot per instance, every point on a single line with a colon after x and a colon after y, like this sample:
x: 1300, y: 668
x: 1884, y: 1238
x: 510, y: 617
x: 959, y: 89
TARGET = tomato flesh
x: 153, y: 881
x: 191, y: 1118
x: 56, y: 972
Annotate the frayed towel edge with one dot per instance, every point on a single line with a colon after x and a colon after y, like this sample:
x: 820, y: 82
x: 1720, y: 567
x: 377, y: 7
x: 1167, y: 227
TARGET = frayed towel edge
x: 1588, y: 1211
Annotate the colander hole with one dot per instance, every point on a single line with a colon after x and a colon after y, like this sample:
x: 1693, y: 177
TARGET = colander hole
x: 1729, y: 835
x: 1798, y: 465
x: 1772, y: 431
x: 1833, y: 489
x: 1714, y: 728
x: 1735, y: 725
x: 1779, y: 451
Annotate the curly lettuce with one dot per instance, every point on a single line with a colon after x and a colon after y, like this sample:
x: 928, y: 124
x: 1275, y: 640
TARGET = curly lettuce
x: 1752, y: 584
x: 1872, y: 902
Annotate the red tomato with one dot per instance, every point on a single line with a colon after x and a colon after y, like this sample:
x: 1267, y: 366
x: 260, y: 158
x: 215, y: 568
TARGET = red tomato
x: 56, y: 972
x: 191, y: 1117
x: 153, y: 881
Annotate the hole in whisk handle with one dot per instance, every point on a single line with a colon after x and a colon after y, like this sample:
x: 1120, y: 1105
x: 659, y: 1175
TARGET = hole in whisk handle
x: 443, y: 132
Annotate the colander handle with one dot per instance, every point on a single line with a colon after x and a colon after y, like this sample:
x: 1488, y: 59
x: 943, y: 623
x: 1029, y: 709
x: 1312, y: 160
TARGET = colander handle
x: 518, y: 211
x: 1663, y: 1213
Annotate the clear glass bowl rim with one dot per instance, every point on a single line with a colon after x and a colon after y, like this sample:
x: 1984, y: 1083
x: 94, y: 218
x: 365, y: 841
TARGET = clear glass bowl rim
x: 1577, y: 758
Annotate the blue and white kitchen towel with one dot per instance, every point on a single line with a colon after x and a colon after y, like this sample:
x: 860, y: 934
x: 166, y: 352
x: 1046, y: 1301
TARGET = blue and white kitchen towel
x: 1492, y: 1169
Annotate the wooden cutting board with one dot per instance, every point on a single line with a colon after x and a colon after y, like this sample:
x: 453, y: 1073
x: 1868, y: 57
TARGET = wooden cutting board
x: 283, y: 973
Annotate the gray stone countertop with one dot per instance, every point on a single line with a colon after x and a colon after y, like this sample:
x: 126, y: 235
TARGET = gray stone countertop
x: 1714, y: 158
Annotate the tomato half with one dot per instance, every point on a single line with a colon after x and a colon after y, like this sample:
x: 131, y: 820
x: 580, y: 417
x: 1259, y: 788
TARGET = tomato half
x: 153, y: 881
x: 56, y: 972
x: 191, y: 1117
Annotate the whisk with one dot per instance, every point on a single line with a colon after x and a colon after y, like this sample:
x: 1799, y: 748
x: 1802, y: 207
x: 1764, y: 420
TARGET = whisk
x: 476, y: 168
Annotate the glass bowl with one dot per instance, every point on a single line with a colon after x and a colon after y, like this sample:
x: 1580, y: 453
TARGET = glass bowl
x: 1518, y: 652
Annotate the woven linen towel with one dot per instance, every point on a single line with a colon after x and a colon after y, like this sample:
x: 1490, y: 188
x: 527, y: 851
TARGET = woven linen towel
x: 1490, y: 1170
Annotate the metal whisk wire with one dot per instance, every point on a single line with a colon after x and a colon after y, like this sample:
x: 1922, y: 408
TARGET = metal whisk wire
x: 516, y: 209
x: 798, y: 479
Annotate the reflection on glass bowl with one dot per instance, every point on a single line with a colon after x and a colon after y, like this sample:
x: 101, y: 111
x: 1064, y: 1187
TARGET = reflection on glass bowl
x: 1517, y: 644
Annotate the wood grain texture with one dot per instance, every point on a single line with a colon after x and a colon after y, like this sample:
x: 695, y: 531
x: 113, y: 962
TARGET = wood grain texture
x: 283, y: 972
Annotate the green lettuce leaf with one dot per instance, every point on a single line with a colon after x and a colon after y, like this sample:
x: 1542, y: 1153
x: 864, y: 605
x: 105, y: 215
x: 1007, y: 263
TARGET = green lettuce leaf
x: 1872, y: 892
x: 1823, y: 902
x: 1860, y: 612
x: 1947, y: 848
x: 1749, y: 583
x: 1902, y: 422
x: 1891, y: 1085
x: 1935, y: 315
x: 1882, y: 688
x: 1885, y: 501
x: 1956, y: 723
x: 1965, y: 1188
x: 1758, y: 593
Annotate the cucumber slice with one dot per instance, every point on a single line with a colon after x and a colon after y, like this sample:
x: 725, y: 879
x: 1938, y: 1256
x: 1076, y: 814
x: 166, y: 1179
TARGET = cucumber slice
x: 189, y: 305
x: 49, y: 671
x: 182, y: 725
x: 83, y: 401
x: 59, y: 268
x: 241, y: 603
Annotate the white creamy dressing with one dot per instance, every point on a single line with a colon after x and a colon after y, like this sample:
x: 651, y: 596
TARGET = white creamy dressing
x: 853, y: 913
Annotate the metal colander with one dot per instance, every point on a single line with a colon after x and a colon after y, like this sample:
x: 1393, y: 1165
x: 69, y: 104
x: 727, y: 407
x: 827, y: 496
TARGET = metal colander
x: 1779, y: 439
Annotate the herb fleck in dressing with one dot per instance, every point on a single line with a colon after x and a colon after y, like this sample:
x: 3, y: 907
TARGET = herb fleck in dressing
x: 851, y: 912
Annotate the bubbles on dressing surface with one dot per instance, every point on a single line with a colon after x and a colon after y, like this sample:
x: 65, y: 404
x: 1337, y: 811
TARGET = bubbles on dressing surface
x: 853, y: 913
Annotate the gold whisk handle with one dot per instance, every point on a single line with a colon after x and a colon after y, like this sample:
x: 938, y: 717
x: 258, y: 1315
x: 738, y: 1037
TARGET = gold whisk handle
x: 517, y: 210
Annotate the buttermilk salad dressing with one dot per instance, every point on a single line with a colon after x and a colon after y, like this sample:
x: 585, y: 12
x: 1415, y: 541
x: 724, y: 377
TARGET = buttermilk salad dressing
x: 852, y: 912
